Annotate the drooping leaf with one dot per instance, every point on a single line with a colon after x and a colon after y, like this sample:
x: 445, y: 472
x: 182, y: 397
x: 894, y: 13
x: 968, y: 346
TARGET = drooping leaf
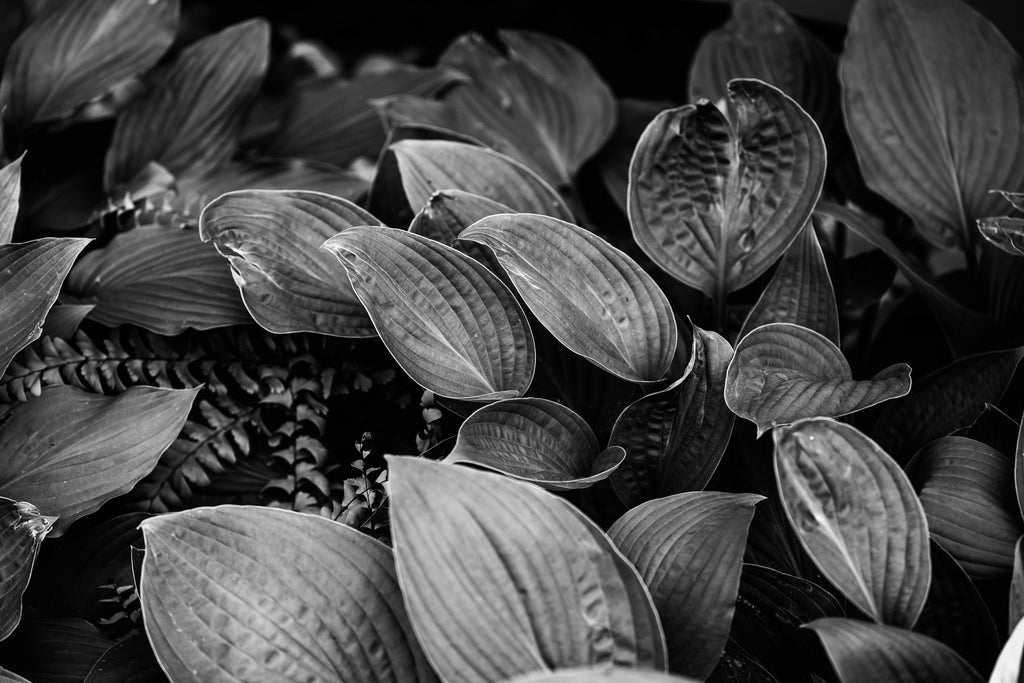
x: 862, y: 651
x: 1008, y: 666
x: 48, y: 649
x: 22, y: 530
x: 856, y: 515
x: 247, y: 593
x: 689, y: 550
x: 448, y: 213
x: 129, y: 661
x: 62, y: 320
x: 945, y: 400
x: 783, y: 372
x: 931, y: 136
x: 448, y: 321
x: 966, y: 489
x: 675, y: 438
x: 273, y: 239
x: 535, y: 440
x: 70, y: 451
x: 602, y: 675
x: 592, y: 297
x: 10, y: 196
x: 800, y: 292
x: 191, y: 116
x: 80, y: 50
x: 715, y: 201
x: 502, y: 578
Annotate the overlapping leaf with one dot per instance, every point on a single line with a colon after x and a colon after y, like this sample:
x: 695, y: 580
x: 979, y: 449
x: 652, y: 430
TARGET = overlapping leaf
x: 271, y: 174
x: 1005, y: 232
x: 22, y: 529
x: 856, y: 515
x: 448, y: 213
x: 62, y: 320
x: 592, y: 297
x: 10, y: 196
x: 783, y: 372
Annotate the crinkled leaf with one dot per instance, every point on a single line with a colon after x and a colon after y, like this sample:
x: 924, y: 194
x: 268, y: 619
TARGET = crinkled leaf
x: 22, y: 529
x: 715, y: 201
x: 448, y: 213
x: 675, y: 438
x: 535, y: 440
x: 239, y: 593
x: 856, y: 515
x: 191, y: 116
x: 783, y: 372
x: 502, y: 578
x: 129, y: 661
x: 70, y: 451
x: 10, y: 196
x: 601, y: 675
x: 592, y: 297
x: 966, y: 489
x: 273, y: 240
x: 448, y: 321
x: 54, y: 649
x: 930, y: 135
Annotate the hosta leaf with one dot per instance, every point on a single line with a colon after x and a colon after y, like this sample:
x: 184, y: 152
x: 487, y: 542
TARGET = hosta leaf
x: 1005, y: 232
x: 48, y: 649
x: 80, y: 50
x: 163, y: 279
x: 715, y: 201
x: 675, y: 438
x: 10, y: 196
x: 592, y: 297
x: 602, y: 675
x: 783, y: 372
x: 448, y: 321
x: 856, y: 515
x: 31, y: 274
x: 272, y: 174
x: 448, y: 213
x: 22, y: 530
x: 689, y: 551
x: 273, y: 242
x: 861, y: 651
x: 800, y: 292
x: 70, y: 451
x: 966, y: 489
x: 944, y: 401
x: 237, y: 593
x: 535, y: 440
x: 129, y: 661
x: 1008, y: 666
x: 62, y: 320
x: 931, y: 136
x: 190, y: 118
x: 502, y: 578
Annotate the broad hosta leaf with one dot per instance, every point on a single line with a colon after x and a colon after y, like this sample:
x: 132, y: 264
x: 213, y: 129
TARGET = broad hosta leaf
x: 502, y: 578
x: 10, y: 196
x: 448, y: 213
x: 592, y: 297
x: 22, y: 530
x: 448, y: 321
x: 79, y: 51
x: 689, y: 551
x: 273, y: 242
x: 800, y: 292
x: 48, y: 649
x: 931, y: 136
x: 861, y: 651
x: 190, y: 118
x: 31, y: 274
x: 238, y: 593
x: 944, y: 401
x: 966, y: 489
x: 855, y: 512
x: 129, y: 661
x: 602, y: 675
x: 1008, y: 666
x: 715, y: 201
x: 675, y: 438
x: 783, y: 372
x: 535, y: 440
x: 163, y: 279
x: 70, y: 451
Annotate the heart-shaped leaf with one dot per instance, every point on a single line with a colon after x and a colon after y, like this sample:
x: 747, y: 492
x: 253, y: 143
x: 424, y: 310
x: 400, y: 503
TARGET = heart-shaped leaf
x: 800, y: 291
x: 273, y: 242
x: 931, y: 136
x: 69, y: 451
x: 502, y: 578
x: 535, y: 440
x: 966, y: 489
x: 131, y: 660
x: 22, y: 530
x: 80, y: 50
x: 675, y: 438
x: 592, y: 297
x: 715, y: 201
x: 601, y: 675
x: 783, y: 372
x: 10, y: 197
x: 1008, y: 666
x: 190, y: 118
x: 689, y: 550
x: 448, y: 213
x: 861, y: 651
x: 856, y: 515
x: 448, y: 321
x: 244, y: 593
